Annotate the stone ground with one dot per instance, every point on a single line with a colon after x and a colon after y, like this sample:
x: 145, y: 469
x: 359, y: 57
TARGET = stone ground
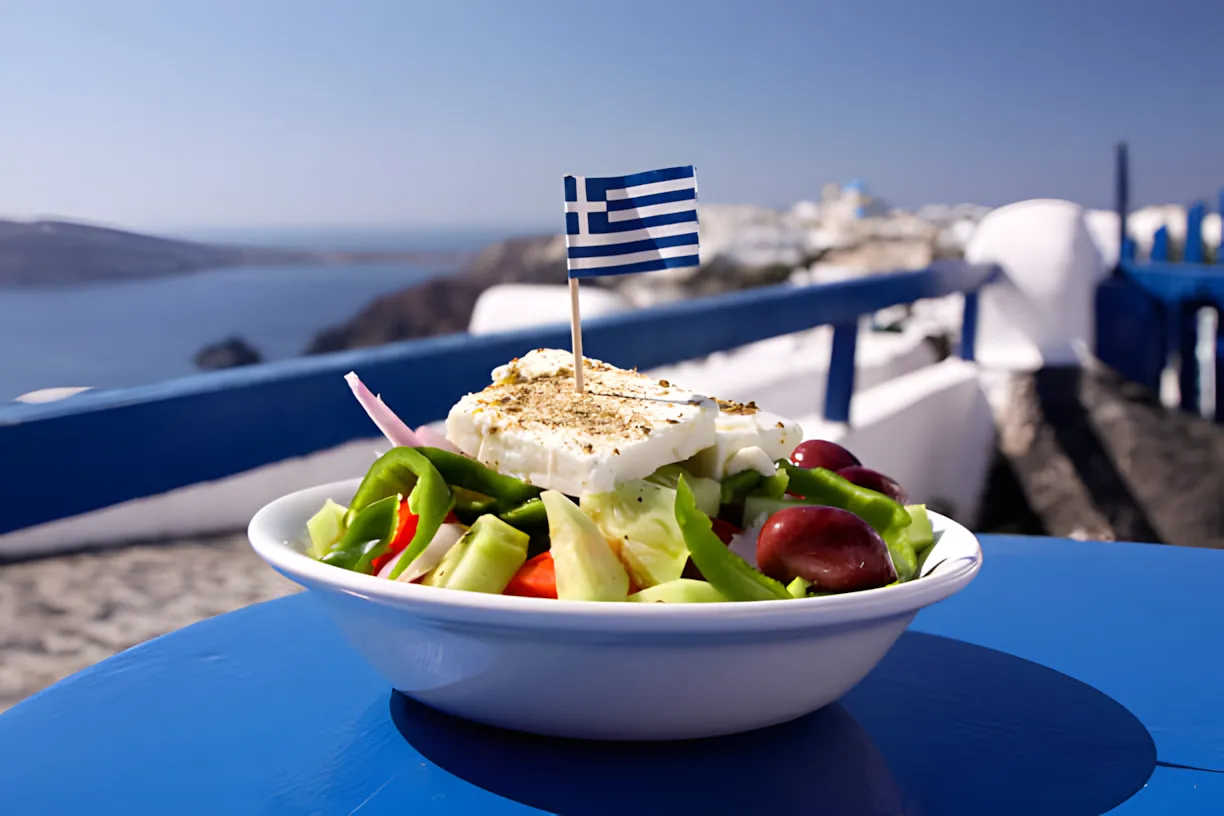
x: 1085, y: 454
x: 61, y: 614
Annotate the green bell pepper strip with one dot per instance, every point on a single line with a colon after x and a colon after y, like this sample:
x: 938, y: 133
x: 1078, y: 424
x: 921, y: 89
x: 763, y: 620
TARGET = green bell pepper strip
x: 901, y: 549
x: 407, y: 470
x: 773, y: 486
x: 398, y: 471
x: 470, y: 505
x: 736, y: 486
x: 825, y: 487
x: 470, y: 500
x: 527, y: 515
x: 368, y: 536
x: 726, y: 571
x: 461, y: 471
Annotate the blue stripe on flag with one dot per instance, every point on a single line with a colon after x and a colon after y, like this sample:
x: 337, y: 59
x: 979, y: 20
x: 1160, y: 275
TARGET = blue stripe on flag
x: 597, y: 188
x: 571, y: 188
x: 643, y: 266
x: 599, y: 223
x: 657, y: 198
x: 571, y: 223
x: 609, y: 250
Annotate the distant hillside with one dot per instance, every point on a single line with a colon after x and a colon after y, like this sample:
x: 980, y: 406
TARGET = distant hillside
x: 742, y: 246
x: 53, y: 253
x: 444, y: 305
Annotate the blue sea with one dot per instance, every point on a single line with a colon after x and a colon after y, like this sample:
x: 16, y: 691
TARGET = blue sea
x: 110, y: 335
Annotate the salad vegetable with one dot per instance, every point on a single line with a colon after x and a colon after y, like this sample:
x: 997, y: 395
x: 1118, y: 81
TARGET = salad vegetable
x: 367, y: 536
x: 735, y: 488
x: 805, y: 519
x: 458, y: 470
x: 325, y: 528
x: 527, y: 515
x: 484, y: 560
x: 586, y: 566
x: 430, y: 499
x: 820, y: 486
x: 641, y: 516
x: 535, y: 579
x: 681, y: 590
x: 725, y: 570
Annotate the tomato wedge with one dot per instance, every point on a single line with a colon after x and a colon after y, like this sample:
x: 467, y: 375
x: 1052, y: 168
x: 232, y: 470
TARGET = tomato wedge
x: 407, y: 528
x: 535, y: 579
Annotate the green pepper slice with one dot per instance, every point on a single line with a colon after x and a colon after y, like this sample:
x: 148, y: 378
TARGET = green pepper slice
x: 396, y: 471
x: 820, y: 486
x: 774, y: 486
x: 735, y: 487
x: 470, y: 505
x: 726, y: 571
x: 400, y: 471
x: 527, y: 515
x: 901, y: 549
x: 461, y: 471
x: 368, y: 535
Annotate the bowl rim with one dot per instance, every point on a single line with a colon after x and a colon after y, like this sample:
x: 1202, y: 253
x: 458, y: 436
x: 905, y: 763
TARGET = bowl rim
x: 509, y: 611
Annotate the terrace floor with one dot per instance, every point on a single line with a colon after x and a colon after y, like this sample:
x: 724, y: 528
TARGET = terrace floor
x: 1095, y: 456
x: 61, y: 614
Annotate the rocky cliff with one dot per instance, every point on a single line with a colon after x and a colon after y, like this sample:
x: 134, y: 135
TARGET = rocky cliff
x: 54, y: 253
x: 444, y: 305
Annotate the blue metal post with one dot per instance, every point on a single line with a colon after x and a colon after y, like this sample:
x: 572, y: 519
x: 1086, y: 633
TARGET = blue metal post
x: 1219, y: 369
x: 969, y: 326
x: 839, y: 388
x: 1188, y: 374
x: 1126, y: 247
x: 1193, y: 252
x: 1160, y: 245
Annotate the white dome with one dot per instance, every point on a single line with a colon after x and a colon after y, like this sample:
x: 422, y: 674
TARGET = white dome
x: 1041, y: 312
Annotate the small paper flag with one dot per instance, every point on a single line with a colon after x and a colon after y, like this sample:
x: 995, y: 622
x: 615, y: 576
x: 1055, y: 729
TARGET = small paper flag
x: 619, y: 225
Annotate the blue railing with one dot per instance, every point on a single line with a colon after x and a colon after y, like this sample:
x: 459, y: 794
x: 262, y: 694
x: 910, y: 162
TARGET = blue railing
x: 1149, y: 311
x: 98, y: 449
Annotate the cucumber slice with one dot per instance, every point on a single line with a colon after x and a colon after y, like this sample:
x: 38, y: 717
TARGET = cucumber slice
x: 920, y: 533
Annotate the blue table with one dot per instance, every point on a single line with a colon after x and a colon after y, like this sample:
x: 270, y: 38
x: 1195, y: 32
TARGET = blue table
x: 1070, y: 677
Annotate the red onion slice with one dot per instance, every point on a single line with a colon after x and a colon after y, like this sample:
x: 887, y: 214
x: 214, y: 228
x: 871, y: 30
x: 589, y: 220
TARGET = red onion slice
x: 392, y: 426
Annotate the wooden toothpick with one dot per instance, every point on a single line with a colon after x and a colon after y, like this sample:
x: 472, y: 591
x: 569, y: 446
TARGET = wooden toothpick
x: 576, y: 335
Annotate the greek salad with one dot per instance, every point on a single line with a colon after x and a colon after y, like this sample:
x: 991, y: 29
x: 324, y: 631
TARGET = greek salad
x: 634, y: 490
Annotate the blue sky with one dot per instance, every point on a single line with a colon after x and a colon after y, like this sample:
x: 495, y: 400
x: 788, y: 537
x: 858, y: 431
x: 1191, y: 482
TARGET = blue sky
x: 169, y: 113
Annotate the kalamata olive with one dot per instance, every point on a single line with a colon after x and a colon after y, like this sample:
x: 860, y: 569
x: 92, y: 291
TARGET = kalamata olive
x: 725, y: 530
x: 821, y: 453
x: 833, y: 548
x: 874, y: 480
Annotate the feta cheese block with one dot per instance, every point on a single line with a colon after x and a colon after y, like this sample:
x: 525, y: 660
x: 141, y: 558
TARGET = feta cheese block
x: 746, y: 438
x: 531, y: 424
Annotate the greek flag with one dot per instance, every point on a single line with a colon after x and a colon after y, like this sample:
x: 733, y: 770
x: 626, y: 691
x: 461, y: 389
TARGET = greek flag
x: 638, y: 223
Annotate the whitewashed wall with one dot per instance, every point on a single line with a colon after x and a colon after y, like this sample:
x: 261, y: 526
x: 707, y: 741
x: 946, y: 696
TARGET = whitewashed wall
x: 1041, y: 312
x: 932, y: 430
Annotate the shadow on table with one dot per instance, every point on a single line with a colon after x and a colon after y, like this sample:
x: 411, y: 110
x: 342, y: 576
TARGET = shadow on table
x: 940, y: 726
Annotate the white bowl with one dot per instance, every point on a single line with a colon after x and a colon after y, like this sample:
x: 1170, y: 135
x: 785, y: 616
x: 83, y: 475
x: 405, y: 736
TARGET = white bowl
x: 609, y: 671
